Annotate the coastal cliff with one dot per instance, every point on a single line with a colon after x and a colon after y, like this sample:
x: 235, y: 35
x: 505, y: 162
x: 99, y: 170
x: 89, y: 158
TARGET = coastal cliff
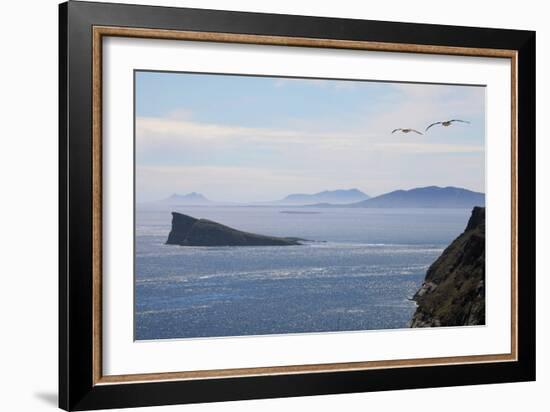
x: 189, y: 231
x: 453, y: 292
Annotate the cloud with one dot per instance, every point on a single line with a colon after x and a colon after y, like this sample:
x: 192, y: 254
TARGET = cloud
x: 157, y: 135
x: 430, y: 148
x: 224, y: 183
x: 154, y: 134
x: 180, y: 114
x: 236, y: 162
x: 418, y: 105
x: 157, y: 130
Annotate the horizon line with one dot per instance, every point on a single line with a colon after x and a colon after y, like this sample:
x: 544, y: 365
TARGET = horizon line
x: 208, y: 198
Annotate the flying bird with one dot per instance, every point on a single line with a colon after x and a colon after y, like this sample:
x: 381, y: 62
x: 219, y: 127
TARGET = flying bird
x: 405, y: 131
x: 447, y: 123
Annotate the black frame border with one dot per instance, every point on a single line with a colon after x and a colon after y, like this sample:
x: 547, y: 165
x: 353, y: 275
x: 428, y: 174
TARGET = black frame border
x: 76, y: 387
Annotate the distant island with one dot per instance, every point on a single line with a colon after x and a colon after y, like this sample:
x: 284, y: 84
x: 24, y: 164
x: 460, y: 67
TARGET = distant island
x: 188, y: 199
x: 427, y: 197
x: 189, y: 231
x: 422, y: 197
x: 340, y: 196
x: 453, y: 292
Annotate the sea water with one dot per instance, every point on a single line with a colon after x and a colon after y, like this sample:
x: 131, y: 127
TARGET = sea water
x: 358, y: 270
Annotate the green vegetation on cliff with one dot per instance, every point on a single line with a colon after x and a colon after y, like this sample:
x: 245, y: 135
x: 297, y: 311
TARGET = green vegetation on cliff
x: 453, y: 292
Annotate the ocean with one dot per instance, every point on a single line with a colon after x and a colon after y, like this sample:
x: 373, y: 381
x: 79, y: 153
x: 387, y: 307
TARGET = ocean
x: 357, y: 272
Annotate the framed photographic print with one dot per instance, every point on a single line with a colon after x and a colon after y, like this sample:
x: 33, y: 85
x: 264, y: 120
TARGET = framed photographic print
x: 256, y: 205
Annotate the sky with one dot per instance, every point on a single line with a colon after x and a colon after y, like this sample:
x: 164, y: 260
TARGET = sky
x: 246, y: 138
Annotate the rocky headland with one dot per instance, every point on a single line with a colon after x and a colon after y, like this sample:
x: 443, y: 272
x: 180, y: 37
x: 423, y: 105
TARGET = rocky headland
x: 189, y: 231
x: 453, y: 292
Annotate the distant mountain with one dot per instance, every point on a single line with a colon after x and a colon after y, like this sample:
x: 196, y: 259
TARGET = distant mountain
x: 328, y: 196
x: 192, y: 198
x: 426, y: 197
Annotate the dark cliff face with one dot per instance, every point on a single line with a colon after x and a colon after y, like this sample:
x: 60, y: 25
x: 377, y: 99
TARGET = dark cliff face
x: 181, y: 225
x: 453, y: 292
x: 188, y: 231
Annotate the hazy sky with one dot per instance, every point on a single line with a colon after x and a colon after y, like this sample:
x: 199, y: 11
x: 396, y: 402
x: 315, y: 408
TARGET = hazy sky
x: 241, y: 138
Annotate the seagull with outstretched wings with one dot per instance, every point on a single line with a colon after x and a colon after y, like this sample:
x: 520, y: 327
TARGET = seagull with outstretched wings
x: 405, y: 130
x: 447, y: 123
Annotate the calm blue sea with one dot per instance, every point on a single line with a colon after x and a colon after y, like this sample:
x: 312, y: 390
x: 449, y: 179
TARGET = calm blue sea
x: 358, y: 274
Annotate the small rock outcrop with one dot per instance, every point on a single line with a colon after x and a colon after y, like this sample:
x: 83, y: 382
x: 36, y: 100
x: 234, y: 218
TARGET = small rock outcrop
x: 453, y: 292
x: 189, y: 231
